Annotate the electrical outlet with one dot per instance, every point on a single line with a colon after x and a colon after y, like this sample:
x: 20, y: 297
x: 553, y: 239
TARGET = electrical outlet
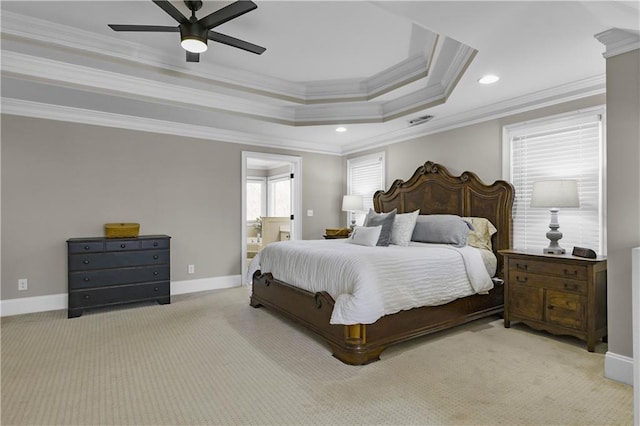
x: 192, y: 269
x: 23, y: 284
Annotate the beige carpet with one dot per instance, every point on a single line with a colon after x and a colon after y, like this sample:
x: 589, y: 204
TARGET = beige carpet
x: 210, y: 358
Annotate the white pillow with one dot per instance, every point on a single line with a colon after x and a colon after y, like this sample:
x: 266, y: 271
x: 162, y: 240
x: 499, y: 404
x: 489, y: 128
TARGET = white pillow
x: 403, y: 228
x: 365, y: 235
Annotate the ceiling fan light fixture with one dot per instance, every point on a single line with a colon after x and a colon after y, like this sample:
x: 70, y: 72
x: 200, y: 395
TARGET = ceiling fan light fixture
x: 193, y: 37
x: 193, y: 45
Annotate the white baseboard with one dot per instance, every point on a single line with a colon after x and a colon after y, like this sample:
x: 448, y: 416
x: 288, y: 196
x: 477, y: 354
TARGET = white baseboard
x: 29, y: 305
x: 204, y: 284
x: 618, y: 368
x: 54, y: 302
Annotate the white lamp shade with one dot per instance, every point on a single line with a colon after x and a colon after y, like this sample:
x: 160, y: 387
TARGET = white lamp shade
x: 352, y: 203
x: 555, y: 193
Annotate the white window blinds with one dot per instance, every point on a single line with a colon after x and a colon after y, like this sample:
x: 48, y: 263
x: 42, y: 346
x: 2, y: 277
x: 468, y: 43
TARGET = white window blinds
x: 365, y: 176
x: 568, y: 147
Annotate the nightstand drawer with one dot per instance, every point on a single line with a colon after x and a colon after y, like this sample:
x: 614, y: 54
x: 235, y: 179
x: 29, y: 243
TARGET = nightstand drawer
x: 565, y: 309
x: 564, y: 270
x: 541, y: 281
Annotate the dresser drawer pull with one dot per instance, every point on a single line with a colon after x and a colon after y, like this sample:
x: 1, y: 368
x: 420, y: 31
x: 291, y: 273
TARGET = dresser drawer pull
x: 86, y: 279
x: 86, y: 262
x: 155, y: 257
x: 568, y: 273
x: 155, y: 272
x: 155, y: 244
x: 570, y: 286
x: 86, y: 297
x: 156, y: 289
x: 123, y: 245
x: 522, y: 267
x: 87, y: 247
x: 522, y: 280
x: 550, y: 307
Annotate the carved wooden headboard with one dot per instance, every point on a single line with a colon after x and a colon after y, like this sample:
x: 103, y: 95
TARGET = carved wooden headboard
x: 433, y: 190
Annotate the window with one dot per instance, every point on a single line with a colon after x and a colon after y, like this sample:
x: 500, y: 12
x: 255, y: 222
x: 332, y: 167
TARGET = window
x: 365, y: 176
x: 256, y: 198
x: 565, y: 147
x: 279, y: 195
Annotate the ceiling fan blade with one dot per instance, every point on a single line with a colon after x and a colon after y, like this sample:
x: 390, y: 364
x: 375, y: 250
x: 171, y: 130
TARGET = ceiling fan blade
x: 171, y: 10
x: 235, y: 42
x: 193, y: 57
x: 150, y: 28
x: 227, y: 13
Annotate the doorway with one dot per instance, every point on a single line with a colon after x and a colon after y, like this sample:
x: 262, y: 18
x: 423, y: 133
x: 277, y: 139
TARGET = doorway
x: 271, y: 202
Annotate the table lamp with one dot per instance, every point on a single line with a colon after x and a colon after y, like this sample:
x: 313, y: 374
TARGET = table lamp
x: 352, y: 203
x: 555, y: 194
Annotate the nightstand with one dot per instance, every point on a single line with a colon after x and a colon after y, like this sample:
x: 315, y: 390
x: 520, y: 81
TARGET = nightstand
x: 561, y: 294
x: 334, y: 237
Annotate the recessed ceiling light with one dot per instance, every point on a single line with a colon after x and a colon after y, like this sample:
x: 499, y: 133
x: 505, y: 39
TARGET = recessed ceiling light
x: 341, y: 129
x: 489, y: 79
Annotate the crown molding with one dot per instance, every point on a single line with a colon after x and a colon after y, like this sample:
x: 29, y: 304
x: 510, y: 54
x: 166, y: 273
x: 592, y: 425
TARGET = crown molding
x: 24, y: 108
x: 92, y: 79
x: 618, y: 41
x: 572, y: 91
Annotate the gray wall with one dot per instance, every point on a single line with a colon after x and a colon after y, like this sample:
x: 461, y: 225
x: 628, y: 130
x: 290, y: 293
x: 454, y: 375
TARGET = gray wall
x: 62, y: 180
x: 623, y: 192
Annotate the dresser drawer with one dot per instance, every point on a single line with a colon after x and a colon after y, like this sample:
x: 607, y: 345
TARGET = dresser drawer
x: 108, y: 277
x: 569, y: 271
x: 120, y: 245
x: 566, y: 309
x: 517, y: 278
x: 160, y: 243
x: 118, y: 294
x: 81, y: 262
x: 85, y: 247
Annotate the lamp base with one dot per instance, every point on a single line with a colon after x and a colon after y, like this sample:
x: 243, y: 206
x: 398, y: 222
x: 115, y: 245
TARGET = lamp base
x: 550, y: 250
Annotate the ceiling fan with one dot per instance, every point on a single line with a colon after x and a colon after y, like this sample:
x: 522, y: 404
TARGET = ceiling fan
x: 194, y: 32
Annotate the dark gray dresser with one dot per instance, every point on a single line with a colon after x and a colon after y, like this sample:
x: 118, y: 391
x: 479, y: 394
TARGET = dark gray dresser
x: 112, y: 271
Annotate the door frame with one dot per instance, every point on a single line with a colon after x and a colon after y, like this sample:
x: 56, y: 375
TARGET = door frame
x: 296, y: 226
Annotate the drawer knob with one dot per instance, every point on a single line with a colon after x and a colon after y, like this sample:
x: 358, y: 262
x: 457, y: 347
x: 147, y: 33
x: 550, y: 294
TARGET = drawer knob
x: 155, y: 244
x: 155, y: 272
x: 86, y: 262
x: 123, y: 245
x: 86, y: 296
x: 155, y: 256
x: 156, y: 289
x: 569, y: 273
x: 550, y: 307
x: 86, y: 278
x: 522, y: 280
x: 87, y: 247
x: 522, y: 267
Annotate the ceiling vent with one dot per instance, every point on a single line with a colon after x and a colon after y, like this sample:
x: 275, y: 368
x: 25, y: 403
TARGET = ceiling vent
x: 420, y: 120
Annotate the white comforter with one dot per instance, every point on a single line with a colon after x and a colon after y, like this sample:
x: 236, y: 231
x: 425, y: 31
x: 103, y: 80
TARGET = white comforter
x: 370, y: 282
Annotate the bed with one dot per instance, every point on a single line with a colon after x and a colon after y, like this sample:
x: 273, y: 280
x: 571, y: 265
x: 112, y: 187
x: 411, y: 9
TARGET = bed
x: 432, y: 190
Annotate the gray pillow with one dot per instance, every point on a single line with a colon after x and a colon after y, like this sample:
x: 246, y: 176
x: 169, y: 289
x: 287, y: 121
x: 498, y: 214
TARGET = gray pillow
x: 441, y: 229
x: 383, y: 219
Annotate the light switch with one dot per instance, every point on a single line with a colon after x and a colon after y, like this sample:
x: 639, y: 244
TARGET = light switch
x: 309, y: 212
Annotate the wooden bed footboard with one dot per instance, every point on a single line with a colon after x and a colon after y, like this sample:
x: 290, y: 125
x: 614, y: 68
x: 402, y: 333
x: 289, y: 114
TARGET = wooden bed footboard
x: 363, y: 343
